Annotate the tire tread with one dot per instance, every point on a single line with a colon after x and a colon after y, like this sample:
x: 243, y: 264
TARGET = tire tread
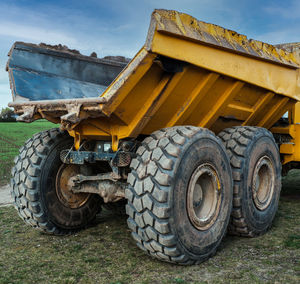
x: 236, y: 139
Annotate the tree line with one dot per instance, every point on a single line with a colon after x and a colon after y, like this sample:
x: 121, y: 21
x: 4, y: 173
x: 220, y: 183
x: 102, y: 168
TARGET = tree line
x: 7, y: 115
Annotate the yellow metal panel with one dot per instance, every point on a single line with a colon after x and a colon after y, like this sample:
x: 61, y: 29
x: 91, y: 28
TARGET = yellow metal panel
x: 166, y: 93
x: 224, y: 82
x: 276, y: 78
x: 287, y: 149
x: 177, y: 98
x: 137, y: 97
x: 276, y: 110
x: 258, y: 107
x: 207, y: 105
x: 127, y: 79
x: 240, y: 107
x: 193, y: 99
x: 146, y: 110
x: 290, y: 129
x: 296, y: 113
x: 185, y: 26
x: 221, y: 104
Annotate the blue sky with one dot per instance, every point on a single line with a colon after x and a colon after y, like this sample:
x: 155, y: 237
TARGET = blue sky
x: 117, y: 27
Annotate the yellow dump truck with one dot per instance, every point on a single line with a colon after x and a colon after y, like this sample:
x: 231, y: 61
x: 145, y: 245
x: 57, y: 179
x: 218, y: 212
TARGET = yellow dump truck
x: 193, y: 133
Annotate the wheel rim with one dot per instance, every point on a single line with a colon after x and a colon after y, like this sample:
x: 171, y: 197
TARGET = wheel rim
x: 263, y: 183
x: 64, y: 194
x: 203, y: 197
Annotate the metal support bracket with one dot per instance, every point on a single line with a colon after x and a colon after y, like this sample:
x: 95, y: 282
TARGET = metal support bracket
x: 106, y: 185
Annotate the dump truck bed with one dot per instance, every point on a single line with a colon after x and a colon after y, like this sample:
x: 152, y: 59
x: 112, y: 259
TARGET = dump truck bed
x: 187, y: 73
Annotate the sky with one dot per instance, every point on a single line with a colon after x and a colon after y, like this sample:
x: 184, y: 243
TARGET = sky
x: 116, y: 27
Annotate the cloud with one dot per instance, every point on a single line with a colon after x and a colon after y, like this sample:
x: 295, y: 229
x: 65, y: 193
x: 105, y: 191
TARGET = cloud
x: 287, y: 9
x: 280, y: 36
x: 36, y: 34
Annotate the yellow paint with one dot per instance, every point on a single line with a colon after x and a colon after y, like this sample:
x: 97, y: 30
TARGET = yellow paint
x: 201, y: 31
x: 273, y: 77
x: 194, y: 98
x: 220, y: 104
x: 227, y: 80
x: 265, y: 99
x: 179, y: 24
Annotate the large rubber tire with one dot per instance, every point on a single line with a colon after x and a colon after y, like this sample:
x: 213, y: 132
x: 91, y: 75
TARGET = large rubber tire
x: 255, y: 160
x: 33, y: 186
x: 158, y: 189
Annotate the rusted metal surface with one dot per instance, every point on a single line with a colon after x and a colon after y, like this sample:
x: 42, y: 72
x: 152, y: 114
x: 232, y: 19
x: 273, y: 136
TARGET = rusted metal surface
x: 63, y: 191
x: 106, y: 185
x: 263, y: 183
x: 67, y: 110
x: 184, y: 25
x: 48, y: 104
x: 204, y: 197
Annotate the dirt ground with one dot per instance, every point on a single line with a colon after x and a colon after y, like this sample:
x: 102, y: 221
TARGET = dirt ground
x: 5, y: 198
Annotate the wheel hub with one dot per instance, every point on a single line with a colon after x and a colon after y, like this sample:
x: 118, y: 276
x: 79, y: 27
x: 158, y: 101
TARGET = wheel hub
x: 203, y: 197
x: 263, y: 183
x: 64, y: 194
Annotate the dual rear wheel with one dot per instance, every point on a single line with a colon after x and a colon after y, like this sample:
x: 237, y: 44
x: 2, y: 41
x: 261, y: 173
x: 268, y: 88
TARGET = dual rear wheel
x: 256, y: 171
x: 186, y: 185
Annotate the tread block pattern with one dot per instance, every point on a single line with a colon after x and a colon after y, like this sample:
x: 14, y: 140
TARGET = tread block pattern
x: 148, y: 207
x: 236, y: 139
x: 25, y: 188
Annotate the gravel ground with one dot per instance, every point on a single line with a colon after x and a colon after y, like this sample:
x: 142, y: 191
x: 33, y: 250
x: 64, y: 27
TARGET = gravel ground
x: 5, y: 198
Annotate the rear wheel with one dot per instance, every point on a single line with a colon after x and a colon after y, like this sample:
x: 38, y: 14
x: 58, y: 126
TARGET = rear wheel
x: 179, y: 194
x: 256, y: 169
x: 40, y: 186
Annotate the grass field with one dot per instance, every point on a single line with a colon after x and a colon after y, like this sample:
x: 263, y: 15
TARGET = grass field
x: 12, y: 137
x: 105, y: 252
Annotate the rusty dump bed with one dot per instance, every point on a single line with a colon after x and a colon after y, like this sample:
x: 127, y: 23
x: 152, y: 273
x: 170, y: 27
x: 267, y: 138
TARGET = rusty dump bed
x: 187, y: 73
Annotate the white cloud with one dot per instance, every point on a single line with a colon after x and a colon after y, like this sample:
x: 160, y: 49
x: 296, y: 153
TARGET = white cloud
x: 287, y: 9
x: 36, y: 34
x: 280, y: 36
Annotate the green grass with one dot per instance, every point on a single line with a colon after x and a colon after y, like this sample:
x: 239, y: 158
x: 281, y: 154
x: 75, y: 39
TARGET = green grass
x: 105, y: 253
x: 12, y: 137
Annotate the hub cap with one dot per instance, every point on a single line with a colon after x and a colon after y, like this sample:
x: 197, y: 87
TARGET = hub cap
x: 64, y: 194
x: 263, y: 183
x: 203, y: 197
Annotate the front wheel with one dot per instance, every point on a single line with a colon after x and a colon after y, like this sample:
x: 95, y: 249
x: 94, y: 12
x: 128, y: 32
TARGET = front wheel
x: 180, y: 194
x: 40, y: 186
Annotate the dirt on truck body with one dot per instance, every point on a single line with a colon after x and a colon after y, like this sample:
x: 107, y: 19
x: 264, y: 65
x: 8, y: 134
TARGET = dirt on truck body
x: 189, y: 132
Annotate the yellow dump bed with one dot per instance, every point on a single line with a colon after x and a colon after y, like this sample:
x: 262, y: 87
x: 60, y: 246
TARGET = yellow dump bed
x: 187, y: 73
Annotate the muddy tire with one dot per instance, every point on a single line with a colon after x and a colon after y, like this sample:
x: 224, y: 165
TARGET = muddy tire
x: 37, y: 190
x: 256, y: 171
x: 179, y: 194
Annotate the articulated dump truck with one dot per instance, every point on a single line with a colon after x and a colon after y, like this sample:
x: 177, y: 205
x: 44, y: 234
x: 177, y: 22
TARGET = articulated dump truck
x: 191, y: 136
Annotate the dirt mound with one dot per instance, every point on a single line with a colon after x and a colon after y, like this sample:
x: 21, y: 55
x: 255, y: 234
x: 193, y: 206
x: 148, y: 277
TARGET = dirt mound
x: 61, y: 47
